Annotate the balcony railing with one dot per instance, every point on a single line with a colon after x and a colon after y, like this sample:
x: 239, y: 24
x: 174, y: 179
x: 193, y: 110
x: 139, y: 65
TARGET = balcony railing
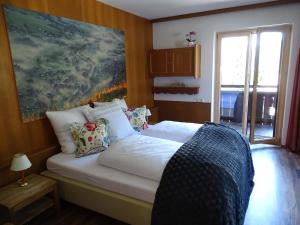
x: 231, y: 103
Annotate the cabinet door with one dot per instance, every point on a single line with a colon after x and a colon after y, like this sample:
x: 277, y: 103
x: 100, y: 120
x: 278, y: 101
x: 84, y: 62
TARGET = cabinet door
x: 158, y: 62
x: 183, y: 61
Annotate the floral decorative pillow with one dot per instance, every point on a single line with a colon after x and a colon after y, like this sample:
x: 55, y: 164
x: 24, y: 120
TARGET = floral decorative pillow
x: 90, y: 137
x: 137, y: 117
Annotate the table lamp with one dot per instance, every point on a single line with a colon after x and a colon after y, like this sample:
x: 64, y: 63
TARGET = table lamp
x: 20, y: 163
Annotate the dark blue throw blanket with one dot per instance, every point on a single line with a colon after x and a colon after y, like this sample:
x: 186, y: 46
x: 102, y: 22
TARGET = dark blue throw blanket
x: 208, y: 181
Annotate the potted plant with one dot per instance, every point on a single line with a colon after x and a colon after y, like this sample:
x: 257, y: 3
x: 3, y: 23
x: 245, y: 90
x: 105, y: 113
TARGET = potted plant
x: 190, y: 38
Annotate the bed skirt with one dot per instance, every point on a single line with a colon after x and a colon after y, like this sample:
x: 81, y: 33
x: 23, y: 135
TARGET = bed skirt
x: 120, y: 207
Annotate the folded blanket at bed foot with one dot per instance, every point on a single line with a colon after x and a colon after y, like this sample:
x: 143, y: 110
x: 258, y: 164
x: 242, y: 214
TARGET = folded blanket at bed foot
x: 208, y: 181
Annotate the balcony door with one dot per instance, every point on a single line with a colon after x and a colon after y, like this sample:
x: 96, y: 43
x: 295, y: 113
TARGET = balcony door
x: 250, y: 81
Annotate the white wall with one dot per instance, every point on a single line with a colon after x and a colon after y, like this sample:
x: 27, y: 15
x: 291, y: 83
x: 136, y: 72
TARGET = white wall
x: 172, y: 34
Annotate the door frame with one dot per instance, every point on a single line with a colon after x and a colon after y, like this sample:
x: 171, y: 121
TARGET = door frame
x: 282, y: 78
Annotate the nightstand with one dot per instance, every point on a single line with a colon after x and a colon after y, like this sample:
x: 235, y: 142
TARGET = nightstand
x: 24, y: 203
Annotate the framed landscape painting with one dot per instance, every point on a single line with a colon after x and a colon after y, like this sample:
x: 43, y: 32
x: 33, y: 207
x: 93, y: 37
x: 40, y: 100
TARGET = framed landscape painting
x: 61, y: 63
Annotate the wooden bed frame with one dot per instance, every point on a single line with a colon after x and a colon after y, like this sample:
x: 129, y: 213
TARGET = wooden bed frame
x: 118, y: 206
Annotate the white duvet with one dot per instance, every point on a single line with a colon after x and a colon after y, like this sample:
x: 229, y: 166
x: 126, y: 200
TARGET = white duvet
x: 140, y: 155
x: 172, y: 130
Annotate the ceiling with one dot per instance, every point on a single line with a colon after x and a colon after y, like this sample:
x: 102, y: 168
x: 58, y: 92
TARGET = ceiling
x: 153, y: 9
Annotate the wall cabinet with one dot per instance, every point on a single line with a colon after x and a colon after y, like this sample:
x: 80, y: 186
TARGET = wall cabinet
x: 175, y: 62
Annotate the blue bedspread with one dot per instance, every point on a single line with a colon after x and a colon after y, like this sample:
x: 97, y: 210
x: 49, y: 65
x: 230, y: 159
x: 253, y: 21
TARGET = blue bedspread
x: 208, y: 181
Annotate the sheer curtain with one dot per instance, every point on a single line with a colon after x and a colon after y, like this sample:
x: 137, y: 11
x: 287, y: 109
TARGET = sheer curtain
x: 293, y: 135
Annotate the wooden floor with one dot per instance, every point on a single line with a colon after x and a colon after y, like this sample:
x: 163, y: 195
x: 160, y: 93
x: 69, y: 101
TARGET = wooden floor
x: 275, y: 199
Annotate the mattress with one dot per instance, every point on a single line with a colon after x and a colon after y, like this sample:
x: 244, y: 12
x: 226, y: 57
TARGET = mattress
x: 171, y: 130
x: 87, y: 170
x: 140, y: 155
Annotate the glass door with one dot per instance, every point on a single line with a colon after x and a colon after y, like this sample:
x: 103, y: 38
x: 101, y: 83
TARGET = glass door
x: 268, y: 84
x: 250, y: 81
x: 233, y: 84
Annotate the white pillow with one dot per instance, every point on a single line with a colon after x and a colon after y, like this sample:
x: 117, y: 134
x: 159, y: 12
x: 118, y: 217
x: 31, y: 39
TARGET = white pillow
x: 121, y: 103
x: 61, y: 122
x: 119, y: 126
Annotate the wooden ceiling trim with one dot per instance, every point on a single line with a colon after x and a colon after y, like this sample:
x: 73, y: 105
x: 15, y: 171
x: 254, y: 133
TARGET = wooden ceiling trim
x: 225, y: 10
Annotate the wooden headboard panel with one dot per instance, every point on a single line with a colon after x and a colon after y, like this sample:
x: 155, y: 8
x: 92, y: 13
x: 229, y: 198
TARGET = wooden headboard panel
x: 37, y: 138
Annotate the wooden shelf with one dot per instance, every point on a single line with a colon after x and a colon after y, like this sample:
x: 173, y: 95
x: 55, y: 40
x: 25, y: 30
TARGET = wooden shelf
x: 27, y: 213
x: 30, y: 211
x: 176, y: 90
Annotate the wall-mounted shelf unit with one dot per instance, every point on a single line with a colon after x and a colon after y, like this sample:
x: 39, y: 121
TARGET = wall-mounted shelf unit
x: 176, y: 90
x: 175, y: 62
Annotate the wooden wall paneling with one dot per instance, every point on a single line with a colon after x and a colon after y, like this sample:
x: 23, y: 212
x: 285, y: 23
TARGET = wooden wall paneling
x: 99, y: 14
x: 149, y: 41
x: 89, y: 12
x: 141, y: 40
x: 195, y: 112
x: 154, y: 115
x: 130, y: 67
x: 67, y: 8
x: 119, y: 19
x: 133, y: 87
x: 107, y: 16
x: 37, y: 137
x: 143, y: 55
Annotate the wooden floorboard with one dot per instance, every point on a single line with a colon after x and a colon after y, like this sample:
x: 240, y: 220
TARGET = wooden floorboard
x: 275, y: 199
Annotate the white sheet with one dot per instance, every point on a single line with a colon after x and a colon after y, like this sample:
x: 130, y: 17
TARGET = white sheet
x: 171, y: 130
x: 87, y: 170
x: 140, y: 155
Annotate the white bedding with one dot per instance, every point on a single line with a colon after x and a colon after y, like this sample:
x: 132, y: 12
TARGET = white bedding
x: 171, y: 130
x: 87, y: 170
x: 140, y: 155
x: 133, y: 166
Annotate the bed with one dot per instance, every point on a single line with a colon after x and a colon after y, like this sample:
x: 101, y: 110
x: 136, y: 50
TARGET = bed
x: 156, y: 176
x: 127, y: 191
x: 121, y: 195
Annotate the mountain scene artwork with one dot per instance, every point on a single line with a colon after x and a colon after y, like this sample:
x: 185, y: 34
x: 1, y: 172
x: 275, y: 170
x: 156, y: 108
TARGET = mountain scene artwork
x: 61, y: 63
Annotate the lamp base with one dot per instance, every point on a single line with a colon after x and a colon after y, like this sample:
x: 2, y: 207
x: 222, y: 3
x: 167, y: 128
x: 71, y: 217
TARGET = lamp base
x: 21, y: 183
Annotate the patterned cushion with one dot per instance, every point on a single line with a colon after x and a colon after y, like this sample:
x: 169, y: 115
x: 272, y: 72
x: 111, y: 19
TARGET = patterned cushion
x: 137, y: 117
x: 90, y: 137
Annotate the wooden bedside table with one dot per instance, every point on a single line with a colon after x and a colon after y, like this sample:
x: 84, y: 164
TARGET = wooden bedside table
x: 24, y: 203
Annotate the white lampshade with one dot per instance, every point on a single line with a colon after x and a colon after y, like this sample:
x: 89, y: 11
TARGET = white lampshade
x: 20, y: 162
x: 148, y: 112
